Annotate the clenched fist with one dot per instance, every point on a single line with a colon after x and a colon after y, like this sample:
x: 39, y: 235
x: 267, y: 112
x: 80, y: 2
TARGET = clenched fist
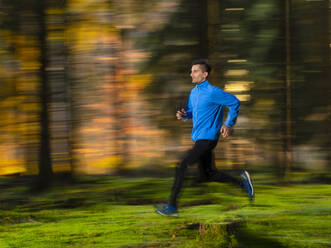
x: 180, y: 114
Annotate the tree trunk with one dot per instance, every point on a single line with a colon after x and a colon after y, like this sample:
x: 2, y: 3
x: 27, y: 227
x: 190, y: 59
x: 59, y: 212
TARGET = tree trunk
x: 45, y: 163
x: 203, y: 20
x: 288, y: 105
x: 213, y: 19
x: 325, y: 21
x: 71, y: 110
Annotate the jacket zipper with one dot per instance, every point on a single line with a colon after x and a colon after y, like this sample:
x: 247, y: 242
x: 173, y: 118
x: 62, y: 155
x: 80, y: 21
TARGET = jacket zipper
x: 196, y: 111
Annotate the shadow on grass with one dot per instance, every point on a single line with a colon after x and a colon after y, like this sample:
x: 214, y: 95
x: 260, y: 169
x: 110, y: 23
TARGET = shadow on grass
x: 233, y: 234
x: 249, y: 239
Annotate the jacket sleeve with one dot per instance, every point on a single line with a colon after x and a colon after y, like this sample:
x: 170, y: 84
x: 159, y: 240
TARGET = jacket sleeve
x: 230, y: 101
x: 189, y: 108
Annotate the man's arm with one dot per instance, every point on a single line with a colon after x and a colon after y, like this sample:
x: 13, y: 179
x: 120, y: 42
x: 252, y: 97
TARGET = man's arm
x: 185, y: 114
x: 189, y: 108
x: 233, y: 104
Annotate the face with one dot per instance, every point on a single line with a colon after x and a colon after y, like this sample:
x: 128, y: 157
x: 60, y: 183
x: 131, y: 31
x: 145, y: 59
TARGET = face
x: 198, y: 76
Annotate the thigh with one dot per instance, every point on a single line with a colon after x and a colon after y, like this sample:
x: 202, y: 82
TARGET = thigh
x: 199, y: 150
x: 206, y: 162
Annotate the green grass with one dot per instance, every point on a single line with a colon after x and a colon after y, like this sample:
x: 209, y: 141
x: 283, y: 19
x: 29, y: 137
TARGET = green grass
x: 119, y: 212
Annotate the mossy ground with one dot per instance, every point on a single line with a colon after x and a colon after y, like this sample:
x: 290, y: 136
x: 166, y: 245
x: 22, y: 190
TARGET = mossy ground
x: 118, y: 212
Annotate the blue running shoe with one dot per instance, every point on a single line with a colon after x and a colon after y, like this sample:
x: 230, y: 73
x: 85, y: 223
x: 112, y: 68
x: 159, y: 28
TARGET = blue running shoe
x: 167, y: 210
x: 247, y: 184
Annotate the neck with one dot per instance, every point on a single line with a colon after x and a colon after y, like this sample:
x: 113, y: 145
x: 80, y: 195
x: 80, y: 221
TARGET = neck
x: 201, y: 82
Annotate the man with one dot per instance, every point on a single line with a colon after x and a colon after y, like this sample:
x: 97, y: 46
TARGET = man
x: 205, y: 108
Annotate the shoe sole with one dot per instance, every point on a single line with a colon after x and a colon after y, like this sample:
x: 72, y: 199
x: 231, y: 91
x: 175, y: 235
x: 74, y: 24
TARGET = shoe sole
x: 166, y: 215
x: 250, y: 183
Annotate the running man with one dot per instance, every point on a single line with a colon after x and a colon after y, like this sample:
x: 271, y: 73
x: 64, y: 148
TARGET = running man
x: 205, y: 108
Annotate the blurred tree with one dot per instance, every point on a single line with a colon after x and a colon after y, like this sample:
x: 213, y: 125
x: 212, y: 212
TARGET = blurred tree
x: 311, y: 81
x: 20, y: 58
x: 45, y: 162
x: 62, y: 112
x: 288, y: 95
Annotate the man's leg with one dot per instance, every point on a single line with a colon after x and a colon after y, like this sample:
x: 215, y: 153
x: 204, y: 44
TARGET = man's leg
x: 210, y: 173
x: 192, y: 156
x: 207, y: 166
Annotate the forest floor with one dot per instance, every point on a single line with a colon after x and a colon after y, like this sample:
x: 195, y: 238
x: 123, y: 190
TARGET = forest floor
x: 108, y: 211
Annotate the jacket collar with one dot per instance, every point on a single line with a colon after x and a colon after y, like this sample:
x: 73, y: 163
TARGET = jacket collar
x: 204, y: 83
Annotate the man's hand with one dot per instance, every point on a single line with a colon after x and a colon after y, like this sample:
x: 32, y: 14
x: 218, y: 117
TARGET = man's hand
x: 226, y: 131
x: 180, y: 114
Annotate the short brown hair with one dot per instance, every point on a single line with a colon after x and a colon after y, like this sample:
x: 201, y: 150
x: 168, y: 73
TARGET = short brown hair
x: 204, y: 64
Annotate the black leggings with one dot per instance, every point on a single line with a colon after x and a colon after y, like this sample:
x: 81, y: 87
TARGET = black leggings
x: 201, y: 153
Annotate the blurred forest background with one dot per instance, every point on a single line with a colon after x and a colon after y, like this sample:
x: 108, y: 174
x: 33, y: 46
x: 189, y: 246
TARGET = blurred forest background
x: 92, y: 86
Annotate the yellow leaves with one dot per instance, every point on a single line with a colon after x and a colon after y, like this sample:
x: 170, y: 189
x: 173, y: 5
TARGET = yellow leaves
x: 33, y: 107
x: 16, y: 102
x: 92, y: 30
x: 27, y: 51
x: 236, y: 73
x: 108, y: 162
x: 10, y: 169
x: 8, y: 121
x: 55, y: 11
x: 85, y: 36
x: 265, y: 102
x: 140, y: 80
x: 9, y: 102
x: 237, y: 61
x: 11, y: 166
x: 86, y: 150
x: 12, y: 120
x: 27, y: 85
x: 30, y: 65
x: 237, y: 86
x: 244, y: 98
x: 30, y: 59
x: 88, y: 5
x: 5, y: 33
x: 134, y: 84
x: 21, y: 41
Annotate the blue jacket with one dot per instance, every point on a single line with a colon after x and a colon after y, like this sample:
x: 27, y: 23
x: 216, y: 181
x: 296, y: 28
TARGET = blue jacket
x: 205, y: 107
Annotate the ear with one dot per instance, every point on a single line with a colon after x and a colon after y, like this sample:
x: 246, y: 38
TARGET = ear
x: 205, y: 74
